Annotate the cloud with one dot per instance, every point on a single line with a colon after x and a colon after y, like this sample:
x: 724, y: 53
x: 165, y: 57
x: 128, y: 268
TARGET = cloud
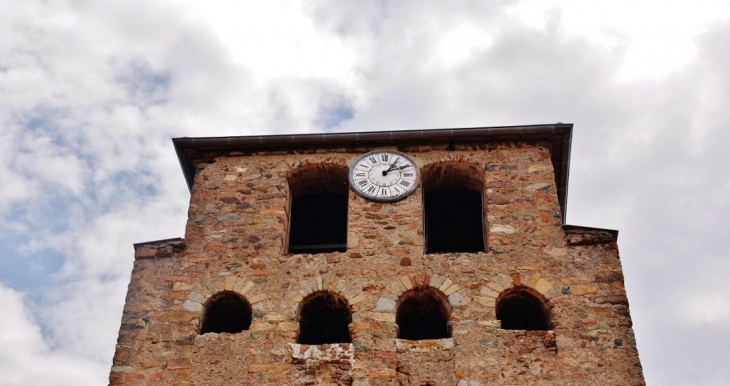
x: 92, y: 92
x: 25, y: 358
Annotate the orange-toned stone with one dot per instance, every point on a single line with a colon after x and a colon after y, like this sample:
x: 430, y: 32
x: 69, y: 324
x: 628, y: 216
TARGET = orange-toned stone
x: 134, y: 377
x: 390, y: 373
x: 384, y: 354
x: 178, y: 363
x: 268, y: 368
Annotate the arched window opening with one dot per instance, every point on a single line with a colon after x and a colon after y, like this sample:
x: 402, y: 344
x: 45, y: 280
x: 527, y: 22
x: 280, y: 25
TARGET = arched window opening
x: 226, y: 312
x: 324, y: 318
x: 318, y: 216
x: 520, y: 309
x: 422, y: 314
x: 453, y: 208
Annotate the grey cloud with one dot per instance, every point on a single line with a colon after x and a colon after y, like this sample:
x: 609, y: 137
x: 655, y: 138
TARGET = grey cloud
x: 121, y: 78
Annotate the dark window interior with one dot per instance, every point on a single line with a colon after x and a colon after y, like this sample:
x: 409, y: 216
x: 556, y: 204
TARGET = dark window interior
x: 454, y: 221
x: 520, y: 310
x: 324, y: 318
x: 227, y: 313
x: 422, y: 314
x: 318, y: 223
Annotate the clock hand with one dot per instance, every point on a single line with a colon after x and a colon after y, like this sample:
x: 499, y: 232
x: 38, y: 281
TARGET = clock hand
x: 390, y: 169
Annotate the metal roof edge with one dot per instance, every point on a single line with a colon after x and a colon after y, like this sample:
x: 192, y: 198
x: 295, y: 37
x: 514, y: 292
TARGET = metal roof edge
x: 373, y: 138
x: 578, y: 228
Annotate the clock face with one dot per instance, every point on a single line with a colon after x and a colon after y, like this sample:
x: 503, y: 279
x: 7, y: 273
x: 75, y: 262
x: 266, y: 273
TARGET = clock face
x: 384, y: 176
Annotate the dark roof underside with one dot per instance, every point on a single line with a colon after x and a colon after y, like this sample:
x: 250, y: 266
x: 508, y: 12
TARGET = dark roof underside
x: 557, y: 135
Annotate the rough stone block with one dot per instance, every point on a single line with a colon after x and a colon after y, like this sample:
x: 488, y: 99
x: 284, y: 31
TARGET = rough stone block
x: 385, y: 304
x: 446, y: 284
x: 242, y: 286
x: 487, y: 301
x: 178, y: 286
x: 264, y: 326
x: 452, y: 289
x: 257, y: 298
x: 179, y: 363
x: 380, y: 316
x: 436, y: 280
x: 196, y: 297
x: 192, y: 306
x: 457, y: 299
x: 486, y: 291
x: 268, y: 368
x: 406, y: 281
x: 288, y: 326
x: 498, y: 228
x: 145, y: 253
x: 357, y: 299
x: 543, y: 286
x: 229, y: 282
x: 584, y: 289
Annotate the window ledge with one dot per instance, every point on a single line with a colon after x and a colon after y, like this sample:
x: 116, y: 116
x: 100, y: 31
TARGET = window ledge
x: 425, y: 345
x: 323, y: 352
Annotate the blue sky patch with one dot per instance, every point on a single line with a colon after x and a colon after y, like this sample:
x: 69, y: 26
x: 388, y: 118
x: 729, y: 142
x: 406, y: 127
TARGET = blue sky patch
x: 332, y: 118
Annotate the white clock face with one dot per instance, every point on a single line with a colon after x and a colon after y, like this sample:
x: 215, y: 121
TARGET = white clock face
x: 384, y: 176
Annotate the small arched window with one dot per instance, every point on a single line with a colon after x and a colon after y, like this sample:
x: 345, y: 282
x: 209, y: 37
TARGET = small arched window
x: 226, y: 312
x: 453, y: 208
x: 522, y: 309
x: 318, y: 213
x: 423, y: 313
x: 324, y: 318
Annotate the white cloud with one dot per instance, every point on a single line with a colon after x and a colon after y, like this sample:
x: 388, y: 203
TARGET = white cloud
x: 91, y: 92
x: 657, y: 39
x: 26, y: 359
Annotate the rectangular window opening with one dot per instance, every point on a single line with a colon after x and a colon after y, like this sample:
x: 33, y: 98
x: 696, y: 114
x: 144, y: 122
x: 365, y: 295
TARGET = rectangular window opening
x: 453, y: 221
x: 318, y: 223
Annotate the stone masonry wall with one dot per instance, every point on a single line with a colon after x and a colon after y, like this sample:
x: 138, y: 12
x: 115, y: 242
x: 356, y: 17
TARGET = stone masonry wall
x: 236, y: 238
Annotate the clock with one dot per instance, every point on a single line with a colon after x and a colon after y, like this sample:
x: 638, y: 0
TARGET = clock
x: 384, y: 175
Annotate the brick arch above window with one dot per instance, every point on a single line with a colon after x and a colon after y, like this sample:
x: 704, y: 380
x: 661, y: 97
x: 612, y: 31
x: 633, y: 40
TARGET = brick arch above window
x: 226, y: 312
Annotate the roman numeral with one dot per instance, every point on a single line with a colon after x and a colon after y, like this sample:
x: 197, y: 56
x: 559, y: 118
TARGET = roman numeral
x: 405, y: 183
x: 407, y: 174
x: 384, y: 157
x: 362, y: 183
x: 371, y: 189
x: 373, y: 160
x: 359, y: 174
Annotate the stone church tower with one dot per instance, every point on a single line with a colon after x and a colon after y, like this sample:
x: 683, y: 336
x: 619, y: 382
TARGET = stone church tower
x: 434, y: 257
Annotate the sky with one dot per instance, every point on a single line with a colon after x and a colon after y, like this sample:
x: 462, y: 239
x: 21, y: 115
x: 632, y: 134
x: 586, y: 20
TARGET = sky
x: 92, y: 92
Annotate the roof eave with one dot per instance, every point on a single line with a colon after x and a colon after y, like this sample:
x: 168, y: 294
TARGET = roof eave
x: 559, y: 134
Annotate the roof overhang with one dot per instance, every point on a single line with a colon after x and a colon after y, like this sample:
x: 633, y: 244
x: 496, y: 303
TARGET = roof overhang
x: 557, y: 135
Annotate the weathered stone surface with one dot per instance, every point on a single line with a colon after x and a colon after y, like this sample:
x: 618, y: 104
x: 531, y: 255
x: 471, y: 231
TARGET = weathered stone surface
x: 236, y: 240
x: 385, y: 304
x: 192, y: 306
x: 179, y: 363
x: 537, y: 186
x: 543, y: 286
x: 196, y: 297
x: 145, y: 253
x: 616, y: 299
x: 268, y: 368
x: 497, y: 228
x: 584, y: 289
